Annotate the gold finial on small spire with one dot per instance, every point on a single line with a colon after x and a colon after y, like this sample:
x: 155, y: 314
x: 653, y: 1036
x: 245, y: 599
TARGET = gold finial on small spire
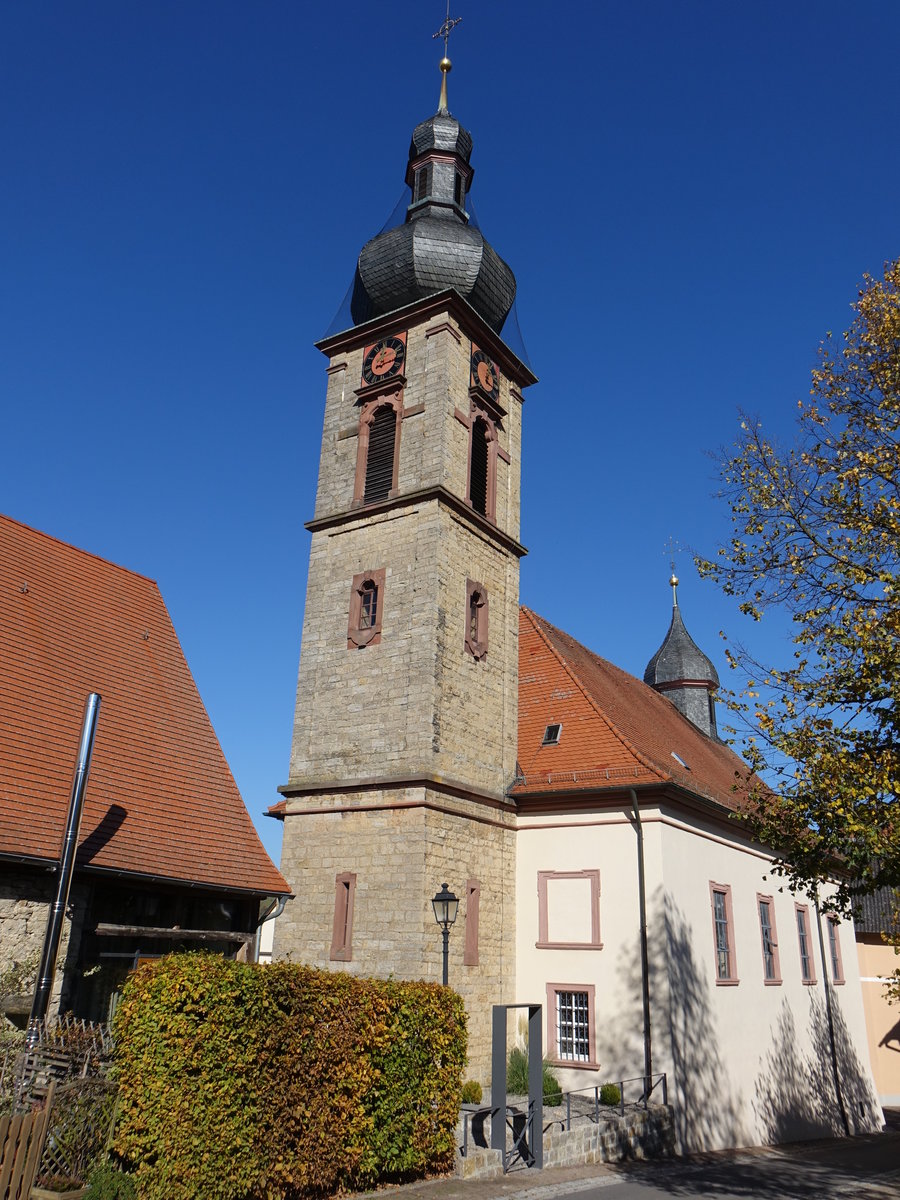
x: 445, y: 64
x: 672, y: 547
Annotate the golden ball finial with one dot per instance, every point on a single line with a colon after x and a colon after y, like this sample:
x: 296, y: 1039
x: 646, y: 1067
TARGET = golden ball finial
x: 673, y: 582
x: 445, y: 64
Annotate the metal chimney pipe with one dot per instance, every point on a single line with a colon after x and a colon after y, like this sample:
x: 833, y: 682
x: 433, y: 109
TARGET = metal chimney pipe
x: 47, y: 969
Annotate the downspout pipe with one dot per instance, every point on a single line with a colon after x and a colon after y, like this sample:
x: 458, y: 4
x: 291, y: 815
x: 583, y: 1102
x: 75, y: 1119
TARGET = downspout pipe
x: 645, y: 964
x: 830, y: 1014
x: 50, y: 952
x: 273, y: 911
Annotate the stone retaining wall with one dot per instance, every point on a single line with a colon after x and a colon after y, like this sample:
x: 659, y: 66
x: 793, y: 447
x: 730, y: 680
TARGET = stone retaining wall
x: 641, y: 1133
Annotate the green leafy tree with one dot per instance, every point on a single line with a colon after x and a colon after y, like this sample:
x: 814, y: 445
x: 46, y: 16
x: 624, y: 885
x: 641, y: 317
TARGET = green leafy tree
x: 816, y: 534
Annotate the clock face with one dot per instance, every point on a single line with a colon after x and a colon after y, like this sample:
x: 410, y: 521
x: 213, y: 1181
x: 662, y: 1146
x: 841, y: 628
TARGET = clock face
x: 383, y: 360
x: 485, y: 374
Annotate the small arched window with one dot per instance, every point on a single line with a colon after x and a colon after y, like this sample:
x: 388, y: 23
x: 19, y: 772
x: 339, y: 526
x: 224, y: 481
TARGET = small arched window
x: 479, y: 466
x: 368, y: 605
x: 380, y: 454
x: 475, y: 602
x: 366, y: 610
x: 476, y: 619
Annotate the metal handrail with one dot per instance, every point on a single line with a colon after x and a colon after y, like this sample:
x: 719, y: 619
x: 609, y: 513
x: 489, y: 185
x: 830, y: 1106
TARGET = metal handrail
x: 649, y: 1084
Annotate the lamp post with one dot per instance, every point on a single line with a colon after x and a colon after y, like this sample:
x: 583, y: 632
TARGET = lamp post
x: 445, y: 906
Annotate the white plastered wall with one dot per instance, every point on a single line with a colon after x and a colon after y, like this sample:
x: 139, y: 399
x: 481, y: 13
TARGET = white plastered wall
x: 747, y: 1063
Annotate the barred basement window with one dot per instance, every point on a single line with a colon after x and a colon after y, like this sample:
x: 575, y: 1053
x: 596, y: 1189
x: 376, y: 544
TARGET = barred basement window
x: 570, y: 1024
x: 380, y: 457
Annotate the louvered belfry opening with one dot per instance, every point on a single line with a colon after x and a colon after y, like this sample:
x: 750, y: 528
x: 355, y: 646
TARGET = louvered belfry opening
x: 478, y: 470
x: 380, y: 461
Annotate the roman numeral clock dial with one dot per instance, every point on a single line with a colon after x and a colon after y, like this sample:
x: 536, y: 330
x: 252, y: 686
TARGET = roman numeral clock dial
x: 384, y: 359
x: 485, y: 374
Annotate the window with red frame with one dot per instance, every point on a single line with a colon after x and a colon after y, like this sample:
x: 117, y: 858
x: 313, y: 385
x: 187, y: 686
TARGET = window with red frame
x: 723, y: 933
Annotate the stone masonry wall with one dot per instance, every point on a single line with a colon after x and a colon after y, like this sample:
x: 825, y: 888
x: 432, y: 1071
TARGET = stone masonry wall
x: 433, y: 443
x: 25, y: 899
x: 416, y: 702
x: 402, y: 845
x: 640, y: 1134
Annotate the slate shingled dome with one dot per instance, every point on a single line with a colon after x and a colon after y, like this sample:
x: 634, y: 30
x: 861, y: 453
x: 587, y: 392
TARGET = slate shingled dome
x: 441, y: 132
x: 679, y: 658
x: 436, y: 248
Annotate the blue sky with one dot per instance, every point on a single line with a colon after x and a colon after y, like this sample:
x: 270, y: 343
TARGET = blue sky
x: 688, y: 194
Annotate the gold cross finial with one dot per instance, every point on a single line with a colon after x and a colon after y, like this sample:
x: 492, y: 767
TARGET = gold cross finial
x: 444, y: 32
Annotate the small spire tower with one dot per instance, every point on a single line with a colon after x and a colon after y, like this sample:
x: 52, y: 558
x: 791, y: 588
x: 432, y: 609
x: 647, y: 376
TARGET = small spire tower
x: 683, y: 673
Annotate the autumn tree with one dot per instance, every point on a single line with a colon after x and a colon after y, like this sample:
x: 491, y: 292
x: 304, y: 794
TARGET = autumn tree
x: 816, y: 534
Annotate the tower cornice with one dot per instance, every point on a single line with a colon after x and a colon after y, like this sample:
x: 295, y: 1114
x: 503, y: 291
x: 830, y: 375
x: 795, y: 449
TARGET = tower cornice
x: 487, y: 528
x: 448, y: 301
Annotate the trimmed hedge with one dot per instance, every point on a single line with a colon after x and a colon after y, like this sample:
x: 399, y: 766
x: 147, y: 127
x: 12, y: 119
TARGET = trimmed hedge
x: 265, y: 1083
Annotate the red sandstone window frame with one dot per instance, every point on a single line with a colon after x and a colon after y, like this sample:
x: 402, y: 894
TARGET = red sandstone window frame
x: 543, y: 942
x: 723, y: 923
x: 387, y: 399
x: 359, y: 635
x: 473, y: 903
x: 834, y: 946
x: 804, y: 942
x: 553, y: 1050
x: 775, y: 980
x: 476, y: 645
x: 478, y: 411
x: 342, y: 926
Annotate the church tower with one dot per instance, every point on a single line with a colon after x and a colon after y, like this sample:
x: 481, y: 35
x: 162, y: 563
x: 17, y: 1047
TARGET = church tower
x: 405, y: 733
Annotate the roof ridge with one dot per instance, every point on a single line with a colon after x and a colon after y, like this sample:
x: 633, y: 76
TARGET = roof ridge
x: 537, y: 621
x: 79, y: 550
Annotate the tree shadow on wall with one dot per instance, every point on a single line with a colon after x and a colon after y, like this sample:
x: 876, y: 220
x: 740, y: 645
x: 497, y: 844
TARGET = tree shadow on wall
x: 795, y: 1098
x: 795, y: 1091
x: 684, y: 1031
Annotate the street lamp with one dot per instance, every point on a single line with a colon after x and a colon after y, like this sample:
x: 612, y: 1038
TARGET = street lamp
x: 445, y: 906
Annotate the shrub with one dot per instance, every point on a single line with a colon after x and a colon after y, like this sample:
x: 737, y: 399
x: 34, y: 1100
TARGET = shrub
x: 471, y: 1092
x: 517, y: 1072
x: 552, y: 1089
x: 517, y: 1077
x: 610, y: 1094
x: 107, y: 1182
x: 242, y: 1082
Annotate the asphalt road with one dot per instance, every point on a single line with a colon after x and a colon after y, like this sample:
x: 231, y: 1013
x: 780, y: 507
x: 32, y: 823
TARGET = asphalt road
x: 848, y: 1169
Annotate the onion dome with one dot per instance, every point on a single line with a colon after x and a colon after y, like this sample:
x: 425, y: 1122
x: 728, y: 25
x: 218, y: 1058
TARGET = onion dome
x: 683, y: 673
x: 436, y: 248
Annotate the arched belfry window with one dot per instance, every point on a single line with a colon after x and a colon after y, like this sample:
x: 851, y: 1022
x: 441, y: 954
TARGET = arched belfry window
x: 377, y: 454
x: 380, y: 459
x: 479, y: 466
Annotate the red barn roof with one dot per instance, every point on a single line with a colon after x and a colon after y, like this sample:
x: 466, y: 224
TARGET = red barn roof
x: 160, y: 800
x: 616, y: 731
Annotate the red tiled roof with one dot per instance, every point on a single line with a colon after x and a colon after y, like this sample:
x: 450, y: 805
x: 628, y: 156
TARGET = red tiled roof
x: 617, y: 732
x: 160, y: 798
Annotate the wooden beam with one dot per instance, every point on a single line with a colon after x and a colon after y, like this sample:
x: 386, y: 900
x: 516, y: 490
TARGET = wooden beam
x: 180, y: 935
